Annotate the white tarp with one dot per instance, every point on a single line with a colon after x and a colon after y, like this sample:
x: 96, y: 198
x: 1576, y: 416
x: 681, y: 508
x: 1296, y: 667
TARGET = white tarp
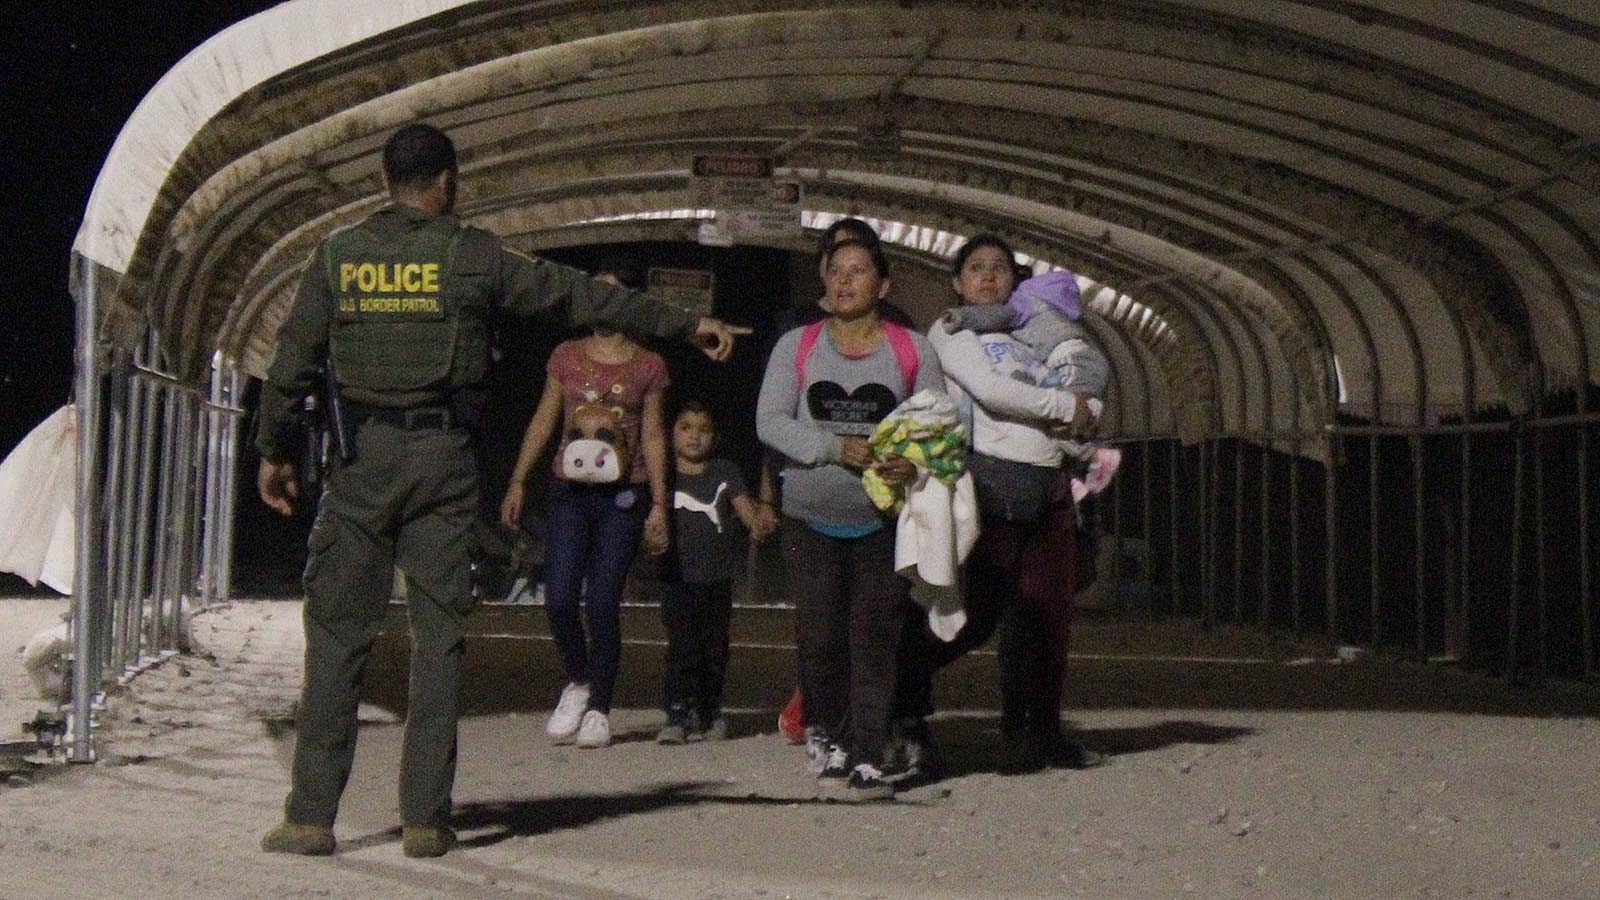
x: 200, y: 85
x: 38, y: 490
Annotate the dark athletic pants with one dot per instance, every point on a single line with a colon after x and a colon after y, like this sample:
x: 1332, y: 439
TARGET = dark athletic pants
x: 849, y: 614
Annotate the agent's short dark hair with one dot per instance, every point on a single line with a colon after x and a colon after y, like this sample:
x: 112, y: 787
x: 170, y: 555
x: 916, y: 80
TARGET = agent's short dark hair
x: 416, y: 154
x: 977, y: 242
x: 851, y: 228
x: 874, y: 250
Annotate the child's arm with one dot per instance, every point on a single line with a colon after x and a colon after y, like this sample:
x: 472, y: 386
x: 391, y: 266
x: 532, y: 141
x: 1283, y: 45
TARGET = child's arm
x: 995, y: 317
x: 967, y: 363
x: 540, y: 427
x: 766, y: 502
x: 750, y: 513
x: 653, y: 440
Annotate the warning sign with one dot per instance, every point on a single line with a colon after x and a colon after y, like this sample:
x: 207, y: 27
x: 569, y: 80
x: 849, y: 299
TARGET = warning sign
x: 692, y: 289
x: 751, y: 206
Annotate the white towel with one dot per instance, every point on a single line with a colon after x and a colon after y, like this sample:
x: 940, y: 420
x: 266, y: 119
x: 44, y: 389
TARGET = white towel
x: 936, y: 530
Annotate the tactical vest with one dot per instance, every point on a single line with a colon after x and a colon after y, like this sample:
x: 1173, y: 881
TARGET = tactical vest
x: 409, y: 314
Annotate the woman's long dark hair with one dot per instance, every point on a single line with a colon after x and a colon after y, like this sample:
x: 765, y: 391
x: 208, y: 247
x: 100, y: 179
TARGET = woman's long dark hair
x: 978, y: 241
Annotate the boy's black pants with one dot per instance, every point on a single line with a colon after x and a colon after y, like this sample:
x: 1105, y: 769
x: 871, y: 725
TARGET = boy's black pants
x: 697, y: 615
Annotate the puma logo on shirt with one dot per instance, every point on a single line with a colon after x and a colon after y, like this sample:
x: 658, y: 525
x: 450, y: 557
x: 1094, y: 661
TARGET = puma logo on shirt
x: 684, y: 500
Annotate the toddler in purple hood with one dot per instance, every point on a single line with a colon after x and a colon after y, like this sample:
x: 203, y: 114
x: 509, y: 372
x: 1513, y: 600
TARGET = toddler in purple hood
x: 1043, y: 315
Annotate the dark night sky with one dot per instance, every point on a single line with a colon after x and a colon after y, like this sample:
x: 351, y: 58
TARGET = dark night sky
x: 74, y: 73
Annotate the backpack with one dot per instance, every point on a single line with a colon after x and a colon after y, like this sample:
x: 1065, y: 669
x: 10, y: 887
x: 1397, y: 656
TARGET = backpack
x: 905, y: 352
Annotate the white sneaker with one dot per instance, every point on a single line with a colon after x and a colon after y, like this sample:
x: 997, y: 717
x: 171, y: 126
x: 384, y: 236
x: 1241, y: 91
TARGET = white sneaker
x: 595, y: 730
x: 564, y: 721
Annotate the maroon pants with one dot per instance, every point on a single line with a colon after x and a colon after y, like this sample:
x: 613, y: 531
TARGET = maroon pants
x: 1020, y: 580
x: 1040, y: 561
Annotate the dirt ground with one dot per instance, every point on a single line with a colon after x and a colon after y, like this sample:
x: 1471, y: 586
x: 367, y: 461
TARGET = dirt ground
x: 1240, y: 767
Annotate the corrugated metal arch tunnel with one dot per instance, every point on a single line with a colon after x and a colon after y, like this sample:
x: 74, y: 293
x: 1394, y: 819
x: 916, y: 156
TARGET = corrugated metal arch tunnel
x: 1345, y: 260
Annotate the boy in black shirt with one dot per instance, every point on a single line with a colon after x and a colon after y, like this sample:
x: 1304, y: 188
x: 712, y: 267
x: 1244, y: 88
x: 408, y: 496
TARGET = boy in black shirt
x: 709, y: 495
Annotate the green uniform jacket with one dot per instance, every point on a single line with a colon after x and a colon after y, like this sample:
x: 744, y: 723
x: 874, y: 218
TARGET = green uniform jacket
x: 339, y: 297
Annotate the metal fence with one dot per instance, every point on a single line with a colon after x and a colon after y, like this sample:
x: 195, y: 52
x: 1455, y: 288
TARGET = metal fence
x: 156, y: 503
x: 1471, y: 542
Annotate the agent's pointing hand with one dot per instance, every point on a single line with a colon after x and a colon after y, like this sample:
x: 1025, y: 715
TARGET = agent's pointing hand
x: 715, y: 337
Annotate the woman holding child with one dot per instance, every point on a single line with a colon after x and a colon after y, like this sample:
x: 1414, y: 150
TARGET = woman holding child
x: 1021, y: 571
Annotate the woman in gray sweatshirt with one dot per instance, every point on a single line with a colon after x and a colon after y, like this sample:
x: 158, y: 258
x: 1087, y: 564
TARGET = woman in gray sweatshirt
x: 826, y: 386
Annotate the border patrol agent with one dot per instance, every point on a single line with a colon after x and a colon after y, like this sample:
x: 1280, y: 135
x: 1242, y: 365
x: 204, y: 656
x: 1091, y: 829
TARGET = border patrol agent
x: 398, y: 304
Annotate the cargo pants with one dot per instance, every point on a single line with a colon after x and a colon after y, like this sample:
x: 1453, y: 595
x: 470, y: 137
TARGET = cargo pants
x: 408, y: 499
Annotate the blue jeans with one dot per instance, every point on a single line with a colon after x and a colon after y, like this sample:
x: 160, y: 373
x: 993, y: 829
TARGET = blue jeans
x: 590, y: 540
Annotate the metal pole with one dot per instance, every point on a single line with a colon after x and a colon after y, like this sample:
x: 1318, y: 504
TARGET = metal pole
x: 116, y: 400
x: 164, y: 507
x: 229, y: 468
x: 1419, y: 542
x: 1373, y: 544
x: 1294, y: 535
x: 1513, y: 593
x: 183, y: 487
x: 144, y: 527
x: 86, y: 391
x: 212, y: 416
x: 128, y: 516
x: 188, y: 518
x: 1330, y: 574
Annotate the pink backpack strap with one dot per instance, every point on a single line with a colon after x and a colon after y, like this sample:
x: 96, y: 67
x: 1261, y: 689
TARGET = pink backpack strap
x: 905, y: 352
x: 808, y: 341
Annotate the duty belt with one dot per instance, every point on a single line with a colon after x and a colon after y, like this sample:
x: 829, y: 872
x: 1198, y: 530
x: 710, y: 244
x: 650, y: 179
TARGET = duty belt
x: 421, y: 418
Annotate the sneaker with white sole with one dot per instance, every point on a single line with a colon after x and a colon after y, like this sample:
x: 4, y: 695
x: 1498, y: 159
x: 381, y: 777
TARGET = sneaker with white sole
x: 911, y: 751
x: 568, y: 713
x: 836, y: 769
x: 866, y: 782
x: 595, y: 731
x: 817, y: 747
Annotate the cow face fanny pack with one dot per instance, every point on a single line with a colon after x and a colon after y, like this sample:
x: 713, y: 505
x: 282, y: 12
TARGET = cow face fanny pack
x: 596, y: 451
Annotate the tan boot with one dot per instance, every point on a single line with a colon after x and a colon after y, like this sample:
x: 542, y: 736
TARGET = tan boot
x: 301, y: 840
x: 426, y: 841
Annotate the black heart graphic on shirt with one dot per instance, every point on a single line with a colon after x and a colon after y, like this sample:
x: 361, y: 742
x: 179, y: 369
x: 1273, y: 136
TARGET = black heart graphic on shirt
x: 866, y: 405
